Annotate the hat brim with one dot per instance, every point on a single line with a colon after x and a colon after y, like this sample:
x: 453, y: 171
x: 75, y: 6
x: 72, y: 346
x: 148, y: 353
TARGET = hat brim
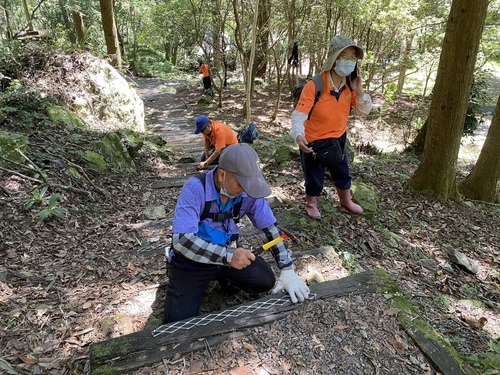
x: 328, y: 65
x: 255, y: 187
x: 197, y: 131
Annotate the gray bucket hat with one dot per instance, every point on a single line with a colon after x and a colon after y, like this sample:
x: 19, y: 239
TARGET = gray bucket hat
x: 242, y: 160
x: 336, y: 46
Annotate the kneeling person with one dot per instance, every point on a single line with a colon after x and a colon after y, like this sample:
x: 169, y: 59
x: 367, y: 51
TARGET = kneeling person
x: 204, y: 245
x: 216, y: 137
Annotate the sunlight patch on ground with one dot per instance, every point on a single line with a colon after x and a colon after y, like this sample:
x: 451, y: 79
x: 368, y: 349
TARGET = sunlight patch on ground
x: 470, y: 314
x: 140, y: 304
x: 471, y: 146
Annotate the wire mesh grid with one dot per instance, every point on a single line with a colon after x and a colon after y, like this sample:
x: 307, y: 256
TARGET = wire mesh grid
x: 220, y: 316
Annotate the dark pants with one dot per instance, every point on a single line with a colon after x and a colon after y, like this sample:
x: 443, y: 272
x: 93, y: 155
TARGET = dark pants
x: 188, y: 280
x: 210, y: 152
x: 314, y: 172
x: 207, y: 83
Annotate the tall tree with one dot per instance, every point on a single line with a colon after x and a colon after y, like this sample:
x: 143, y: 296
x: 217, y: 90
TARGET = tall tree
x: 67, y: 23
x: 250, y: 74
x: 482, y: 182
x: 79, y: 27
x: 29, y: 19
x: 8, y: 30
x: 263, y: 27
x: 110, y: 33
x: 435, y: 174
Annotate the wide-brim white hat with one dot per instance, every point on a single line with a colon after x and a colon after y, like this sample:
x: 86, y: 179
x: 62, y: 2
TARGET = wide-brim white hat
x: 336, y: 46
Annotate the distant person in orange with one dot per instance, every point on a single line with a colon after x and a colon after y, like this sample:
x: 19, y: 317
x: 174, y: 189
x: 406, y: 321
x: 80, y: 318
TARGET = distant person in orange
x: 217, y: 137
x: 204, y: 69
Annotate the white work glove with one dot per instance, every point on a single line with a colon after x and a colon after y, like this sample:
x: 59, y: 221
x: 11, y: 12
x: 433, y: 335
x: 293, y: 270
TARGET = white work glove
x: 291, y: 282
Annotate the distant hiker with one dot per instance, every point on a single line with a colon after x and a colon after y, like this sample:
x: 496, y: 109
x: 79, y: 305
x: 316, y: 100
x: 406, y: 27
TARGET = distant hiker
x: 217, y: 136
x: 322, y: 136
x: 204, y: 69
x: 294, y: 57
x: 205, y: 237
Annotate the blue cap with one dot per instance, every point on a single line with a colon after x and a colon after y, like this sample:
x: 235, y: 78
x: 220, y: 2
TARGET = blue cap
x: 200, y: 122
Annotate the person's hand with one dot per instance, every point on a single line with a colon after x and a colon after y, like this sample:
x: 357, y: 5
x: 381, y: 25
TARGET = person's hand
x: 201, y: 165
x: 357, y: 84
x: 293, y: 284
x: 301, y: 141
x: 242, y: 258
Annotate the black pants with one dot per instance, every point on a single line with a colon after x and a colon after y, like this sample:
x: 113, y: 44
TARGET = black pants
x: 210, y: 152
x: 207, y: 83
x: 314, y: 172
x: 188, y: 280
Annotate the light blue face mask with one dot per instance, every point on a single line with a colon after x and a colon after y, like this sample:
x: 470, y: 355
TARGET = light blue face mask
x: 344, y: 67
x: 226, y: 193
x: 223, y: 191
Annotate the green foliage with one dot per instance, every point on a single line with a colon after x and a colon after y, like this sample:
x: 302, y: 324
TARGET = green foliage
x: 189, y: 64
x: 23, y: 105
x: 489, y: 361
x: 10, y: 324
x: 49, y: 203
x: 9, y: 67
x: 390, y: 92
x: 489, y: 42
x: 38, y: 196
x: 149, y: 62
x: 348, y: 258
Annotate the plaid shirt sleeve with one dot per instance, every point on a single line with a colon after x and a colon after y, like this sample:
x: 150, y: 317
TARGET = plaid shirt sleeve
x: 198, y: 250
x: 282, y: 255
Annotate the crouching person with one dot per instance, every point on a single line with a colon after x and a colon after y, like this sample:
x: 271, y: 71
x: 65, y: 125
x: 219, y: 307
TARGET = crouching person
x: 205, y: 236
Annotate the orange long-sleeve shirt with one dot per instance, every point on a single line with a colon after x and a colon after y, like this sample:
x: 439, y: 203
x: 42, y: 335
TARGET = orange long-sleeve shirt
x: 205, y: 70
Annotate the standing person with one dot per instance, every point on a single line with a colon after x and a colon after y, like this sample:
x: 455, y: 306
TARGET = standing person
x: 217, y: 136
x: 205, y: 236
x: 294, y: 57
x: 204, y: 69
x: 326, y: 126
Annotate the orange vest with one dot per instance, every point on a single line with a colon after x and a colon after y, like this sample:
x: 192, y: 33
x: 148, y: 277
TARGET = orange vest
x: 329, y: 116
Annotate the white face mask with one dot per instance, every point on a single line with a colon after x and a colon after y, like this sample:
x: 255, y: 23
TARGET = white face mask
x: 344, y: 67
x: 223, y: 190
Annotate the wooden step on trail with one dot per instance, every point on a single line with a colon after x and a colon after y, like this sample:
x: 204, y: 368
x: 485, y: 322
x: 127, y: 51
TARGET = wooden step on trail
x: 152, y: 345
x: 141, y: 349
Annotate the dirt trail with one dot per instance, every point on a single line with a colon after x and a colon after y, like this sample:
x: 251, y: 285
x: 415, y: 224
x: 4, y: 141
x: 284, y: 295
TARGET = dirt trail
x: 169, y: 117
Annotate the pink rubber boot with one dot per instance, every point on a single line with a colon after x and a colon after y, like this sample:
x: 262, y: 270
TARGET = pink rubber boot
x: 312, y: 207
x: 346, y: 201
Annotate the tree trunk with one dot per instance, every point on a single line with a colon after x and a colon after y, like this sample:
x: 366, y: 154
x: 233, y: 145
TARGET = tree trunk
x: 67, y: 22
x: 417, y: 145
x: 168, y: 51
x: 28, y: 16
x: 110, y: 33
x: 404, y: 64
x: 79, y: 27
x: 435, y: 174
x: 250, y: 75
x: 8, y: 30
x: 261, y: 55
x: 482, y: 182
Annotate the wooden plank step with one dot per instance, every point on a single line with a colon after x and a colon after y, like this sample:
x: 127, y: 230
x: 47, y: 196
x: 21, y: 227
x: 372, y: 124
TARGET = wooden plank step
x: 141, y: 349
